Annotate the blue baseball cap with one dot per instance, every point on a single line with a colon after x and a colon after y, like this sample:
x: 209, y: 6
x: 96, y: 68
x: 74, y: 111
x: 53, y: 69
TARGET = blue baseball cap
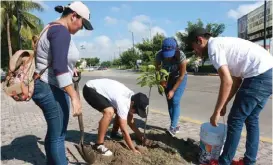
x: 169, y: 47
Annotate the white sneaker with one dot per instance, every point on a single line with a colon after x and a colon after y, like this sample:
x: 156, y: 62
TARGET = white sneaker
x: 104, y: 150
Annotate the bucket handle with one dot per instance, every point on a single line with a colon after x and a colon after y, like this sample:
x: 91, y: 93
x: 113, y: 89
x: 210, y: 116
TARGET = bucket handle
x: 224, y: 121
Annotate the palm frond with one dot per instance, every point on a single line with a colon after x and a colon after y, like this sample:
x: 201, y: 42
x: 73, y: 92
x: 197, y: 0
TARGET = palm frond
x: 31, y: 5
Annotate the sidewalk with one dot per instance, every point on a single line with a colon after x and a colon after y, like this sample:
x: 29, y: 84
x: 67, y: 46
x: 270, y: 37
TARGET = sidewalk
x: 23, y: 129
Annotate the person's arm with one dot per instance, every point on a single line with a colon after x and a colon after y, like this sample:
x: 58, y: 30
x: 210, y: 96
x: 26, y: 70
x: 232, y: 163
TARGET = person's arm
x: 224, y: 92
x: 182, y: 72
x: 237, y: 81
x: 225, y: 88
x: 59, y: 39
x: 132, y: 125
x: 126, y: 135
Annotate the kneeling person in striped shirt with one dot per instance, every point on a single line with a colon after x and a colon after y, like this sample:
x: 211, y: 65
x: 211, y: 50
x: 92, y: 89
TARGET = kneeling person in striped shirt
x: 112, y: 97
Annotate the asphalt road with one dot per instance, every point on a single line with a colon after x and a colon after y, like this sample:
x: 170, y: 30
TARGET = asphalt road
x: 198, y: 100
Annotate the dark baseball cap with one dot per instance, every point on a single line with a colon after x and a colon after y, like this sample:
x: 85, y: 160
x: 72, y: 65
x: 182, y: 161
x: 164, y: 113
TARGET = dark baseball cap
x: 196, y: 32
x: 141, y: 102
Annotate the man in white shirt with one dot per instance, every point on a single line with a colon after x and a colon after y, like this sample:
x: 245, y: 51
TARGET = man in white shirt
x: 245, y: 69
x: 112, y: 97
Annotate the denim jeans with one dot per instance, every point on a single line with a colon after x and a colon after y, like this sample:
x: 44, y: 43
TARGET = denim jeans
x: 249, y: 102
x: 174, y: 103
x: 54, y: 103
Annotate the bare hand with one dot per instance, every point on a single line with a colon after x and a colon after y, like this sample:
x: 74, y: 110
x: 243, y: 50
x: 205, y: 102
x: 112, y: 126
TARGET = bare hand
x: 170, y: 94
x: 136, y: 152
x: 214, y: 119
x: 77, y: 107
x: 223, y: 111
x: 147, y: 142
x: 75, y: 70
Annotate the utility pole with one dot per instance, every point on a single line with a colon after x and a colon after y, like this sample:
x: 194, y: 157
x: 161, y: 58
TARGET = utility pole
x: 18, y: 24
x: 133, y: 42
x: 119, y: 51
x: 265, y: 24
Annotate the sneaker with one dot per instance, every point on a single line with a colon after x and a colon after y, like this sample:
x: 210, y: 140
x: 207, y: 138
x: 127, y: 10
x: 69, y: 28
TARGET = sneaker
x: 238, y: 162
x: 171, y: 131
x: 177, y: 129
x: 116, y: 136
x: 103, y: 150
x: 212, y: 162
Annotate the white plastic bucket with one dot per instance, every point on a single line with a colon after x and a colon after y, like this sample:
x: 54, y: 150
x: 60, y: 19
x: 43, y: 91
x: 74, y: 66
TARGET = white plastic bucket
x: 211, y: 141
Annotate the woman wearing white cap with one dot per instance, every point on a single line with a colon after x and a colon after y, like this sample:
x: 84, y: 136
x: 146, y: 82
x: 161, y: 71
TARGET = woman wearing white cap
x: 57, y: 56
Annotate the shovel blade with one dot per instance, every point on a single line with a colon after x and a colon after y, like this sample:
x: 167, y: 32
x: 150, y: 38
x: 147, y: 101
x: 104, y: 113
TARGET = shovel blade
x: 86, y: 153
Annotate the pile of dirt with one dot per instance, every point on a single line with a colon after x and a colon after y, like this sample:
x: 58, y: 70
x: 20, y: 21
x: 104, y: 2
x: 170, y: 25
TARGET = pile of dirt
x: 164, y: 150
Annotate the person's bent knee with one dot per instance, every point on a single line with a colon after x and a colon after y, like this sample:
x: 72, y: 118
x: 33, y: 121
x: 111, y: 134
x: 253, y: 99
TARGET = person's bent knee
x: 108, y: 112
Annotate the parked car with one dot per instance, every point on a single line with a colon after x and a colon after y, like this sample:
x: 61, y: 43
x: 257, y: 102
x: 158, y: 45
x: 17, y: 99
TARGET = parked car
x: 102, y: 68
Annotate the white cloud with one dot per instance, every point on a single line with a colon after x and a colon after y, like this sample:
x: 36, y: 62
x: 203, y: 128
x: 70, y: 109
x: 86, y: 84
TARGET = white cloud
x: 110, y: 20
x: 104, y: 48
x: 45, y: 6
x: 141, y: 27
x: 182, y: 31
x: 159, y: 30
x: 243, y: 9
x: 121, y: 7
x: 115, y: 9
x: 83, y: 33
x: 142, y: 18
x: 167, y: 21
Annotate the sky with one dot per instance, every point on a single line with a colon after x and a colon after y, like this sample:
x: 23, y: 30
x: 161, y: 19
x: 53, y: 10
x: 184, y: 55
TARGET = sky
x: 114, y: 21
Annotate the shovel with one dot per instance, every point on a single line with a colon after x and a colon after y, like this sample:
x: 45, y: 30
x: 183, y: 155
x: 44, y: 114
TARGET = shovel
x: 86, y: 152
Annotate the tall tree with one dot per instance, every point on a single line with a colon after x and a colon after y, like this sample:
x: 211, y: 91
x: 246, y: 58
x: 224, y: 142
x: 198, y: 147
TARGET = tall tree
x: 92, y: 61
x: 129, y: 57
x: 148, y: 48
x: 214, y: 28
x: 30, y: 24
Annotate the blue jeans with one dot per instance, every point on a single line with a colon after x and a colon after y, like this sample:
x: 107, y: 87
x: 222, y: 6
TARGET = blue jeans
x: 249, y: 102
x: 174, y: 103
x: 54, y: 103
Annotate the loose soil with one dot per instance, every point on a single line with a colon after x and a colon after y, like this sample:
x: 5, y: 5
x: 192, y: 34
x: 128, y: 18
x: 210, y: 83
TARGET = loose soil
x: 164, y: 150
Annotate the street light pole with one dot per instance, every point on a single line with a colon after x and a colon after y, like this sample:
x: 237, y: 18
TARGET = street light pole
x: 265, y: 24
x: 133, y: 41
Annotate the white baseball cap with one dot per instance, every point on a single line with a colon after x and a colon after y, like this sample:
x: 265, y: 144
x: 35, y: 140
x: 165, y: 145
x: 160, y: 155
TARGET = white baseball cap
x: 82, y: 10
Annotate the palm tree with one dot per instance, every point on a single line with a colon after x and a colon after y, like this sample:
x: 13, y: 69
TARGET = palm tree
x: 30, y: 24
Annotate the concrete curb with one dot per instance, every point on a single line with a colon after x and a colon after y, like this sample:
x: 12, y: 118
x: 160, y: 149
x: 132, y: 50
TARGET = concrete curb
x: 187, y: 119
x: 203, y: 74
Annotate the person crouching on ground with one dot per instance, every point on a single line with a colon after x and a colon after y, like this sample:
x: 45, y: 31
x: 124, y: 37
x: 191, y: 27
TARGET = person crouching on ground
x: 245, y: 69
x: 112, y: 97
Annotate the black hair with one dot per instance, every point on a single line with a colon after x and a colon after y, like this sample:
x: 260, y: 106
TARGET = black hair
x: 65, y: 11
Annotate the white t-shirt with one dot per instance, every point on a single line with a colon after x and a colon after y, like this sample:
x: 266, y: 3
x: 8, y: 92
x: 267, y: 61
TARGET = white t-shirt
x: 244, y: 58
x: 117, y: 93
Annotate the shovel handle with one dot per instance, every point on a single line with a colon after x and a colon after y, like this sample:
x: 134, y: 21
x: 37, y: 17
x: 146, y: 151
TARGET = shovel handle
x: 76, y: 80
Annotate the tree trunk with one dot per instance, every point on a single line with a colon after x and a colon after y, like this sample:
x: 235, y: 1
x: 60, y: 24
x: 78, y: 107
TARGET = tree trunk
x: 8, y: 35
x: 147, y: 115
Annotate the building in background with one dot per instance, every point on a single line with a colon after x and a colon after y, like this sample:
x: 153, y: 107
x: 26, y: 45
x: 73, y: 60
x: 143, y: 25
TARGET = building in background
x: 251, y: 26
